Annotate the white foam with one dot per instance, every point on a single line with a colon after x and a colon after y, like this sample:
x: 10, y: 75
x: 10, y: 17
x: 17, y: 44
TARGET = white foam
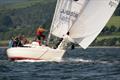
x: 77, y: 60
x: 30, y: 60
x: 86, y: 61
x: 72, y: 60
x: 36, y: 61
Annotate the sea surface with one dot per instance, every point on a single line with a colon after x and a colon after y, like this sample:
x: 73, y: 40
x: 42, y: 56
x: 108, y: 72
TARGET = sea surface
x: 77, y: 64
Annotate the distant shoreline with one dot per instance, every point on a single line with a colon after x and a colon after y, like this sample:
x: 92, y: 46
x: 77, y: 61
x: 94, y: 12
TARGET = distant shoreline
x: 87, y: 48
x: 102, y: 47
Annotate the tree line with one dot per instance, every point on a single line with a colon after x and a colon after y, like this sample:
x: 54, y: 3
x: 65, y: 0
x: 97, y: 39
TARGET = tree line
x: 110, y: 41
x: 26, y: 20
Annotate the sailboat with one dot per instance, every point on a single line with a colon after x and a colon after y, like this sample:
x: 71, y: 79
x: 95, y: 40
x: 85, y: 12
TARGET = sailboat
x: 77, y: 21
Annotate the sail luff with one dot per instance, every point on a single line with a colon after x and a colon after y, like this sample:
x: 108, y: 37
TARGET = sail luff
x: 54, y: 16
x: 59, y: 24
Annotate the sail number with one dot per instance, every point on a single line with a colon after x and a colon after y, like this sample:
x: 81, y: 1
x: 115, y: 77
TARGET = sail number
x: 66, y: 14
x: 113, y: 3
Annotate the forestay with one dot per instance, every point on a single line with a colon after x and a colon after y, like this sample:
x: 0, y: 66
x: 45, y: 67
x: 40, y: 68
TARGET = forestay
x: 92, y: 20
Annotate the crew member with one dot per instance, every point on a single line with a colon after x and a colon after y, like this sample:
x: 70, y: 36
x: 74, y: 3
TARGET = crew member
x: 39, y: 34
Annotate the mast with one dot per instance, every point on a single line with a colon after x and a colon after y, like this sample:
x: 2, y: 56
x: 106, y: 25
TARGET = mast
x: 56, y: 9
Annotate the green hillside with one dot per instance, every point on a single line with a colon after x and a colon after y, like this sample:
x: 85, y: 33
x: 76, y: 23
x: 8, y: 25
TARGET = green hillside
x: 115, y: 20
x: 22, y: 4
x: 28, y: 15
x: 110, y: 36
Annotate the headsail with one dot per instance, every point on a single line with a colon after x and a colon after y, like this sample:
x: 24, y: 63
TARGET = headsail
x: 84, y: 19
x: 67, y: 11
x: 92, y: 20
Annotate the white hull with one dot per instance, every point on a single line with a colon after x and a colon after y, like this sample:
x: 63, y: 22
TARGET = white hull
x: 35, y: 53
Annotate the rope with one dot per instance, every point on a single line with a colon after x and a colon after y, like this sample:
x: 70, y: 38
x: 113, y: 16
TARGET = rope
x: 43, y: 53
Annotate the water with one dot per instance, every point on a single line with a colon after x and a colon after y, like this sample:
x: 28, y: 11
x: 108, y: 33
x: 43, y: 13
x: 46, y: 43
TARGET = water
x: 78, y: 64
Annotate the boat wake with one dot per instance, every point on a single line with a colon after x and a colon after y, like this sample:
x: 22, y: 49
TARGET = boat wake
x: 76, y: 60
x: 80, y: 60
x: 64, y: 60
x: 73, y: 60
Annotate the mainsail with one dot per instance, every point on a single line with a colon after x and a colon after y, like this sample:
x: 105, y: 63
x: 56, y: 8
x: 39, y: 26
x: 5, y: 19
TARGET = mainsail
x: 66, y: 13
x: 83, y: 19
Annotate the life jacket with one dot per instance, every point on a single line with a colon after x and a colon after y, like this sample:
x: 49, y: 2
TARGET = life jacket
x: 40, y: 31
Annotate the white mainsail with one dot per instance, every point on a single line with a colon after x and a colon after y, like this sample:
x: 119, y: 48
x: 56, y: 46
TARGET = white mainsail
x: 92, y: 21
x: 66, y: 13
x: 83, y: 19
